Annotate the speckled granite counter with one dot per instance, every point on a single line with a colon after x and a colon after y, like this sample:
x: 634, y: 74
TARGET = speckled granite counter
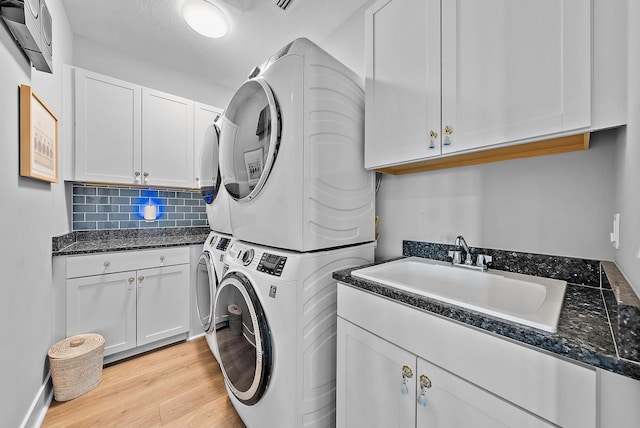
x: 100, y: 241
x: 584, y: 334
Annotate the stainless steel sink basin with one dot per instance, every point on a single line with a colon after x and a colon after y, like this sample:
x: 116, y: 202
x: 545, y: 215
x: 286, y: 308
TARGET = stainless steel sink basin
x: 529, y: 300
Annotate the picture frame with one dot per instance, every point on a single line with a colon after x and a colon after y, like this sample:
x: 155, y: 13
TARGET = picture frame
x: 38, y: 138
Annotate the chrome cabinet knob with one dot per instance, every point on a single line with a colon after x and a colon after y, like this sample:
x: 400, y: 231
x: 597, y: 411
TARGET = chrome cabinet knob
x: 106, y: 264
x: 130, y: 281
x: 448, y: 130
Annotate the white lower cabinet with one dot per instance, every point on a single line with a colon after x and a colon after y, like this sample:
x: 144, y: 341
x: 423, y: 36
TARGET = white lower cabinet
x: 401, y: 367
x: 130, y: 308
x: 383, y: 385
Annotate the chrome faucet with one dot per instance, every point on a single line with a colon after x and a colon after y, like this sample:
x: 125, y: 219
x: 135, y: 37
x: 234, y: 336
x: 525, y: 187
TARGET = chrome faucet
x: 460, y: 241
x: 456, y: 257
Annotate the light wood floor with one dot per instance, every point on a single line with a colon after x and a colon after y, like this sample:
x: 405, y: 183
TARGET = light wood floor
x: 177, y: 386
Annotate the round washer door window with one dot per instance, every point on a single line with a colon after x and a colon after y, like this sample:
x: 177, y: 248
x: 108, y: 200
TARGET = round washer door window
x: 249, y: 139
x: 206, y: 283
x: 244, y: 341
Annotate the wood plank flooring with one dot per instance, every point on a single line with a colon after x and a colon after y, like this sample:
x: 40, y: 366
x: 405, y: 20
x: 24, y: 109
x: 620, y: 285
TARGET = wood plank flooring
x: 177, y: 386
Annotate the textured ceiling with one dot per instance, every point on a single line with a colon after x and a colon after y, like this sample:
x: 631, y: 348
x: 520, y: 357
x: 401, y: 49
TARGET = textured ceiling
x: 154, y: 30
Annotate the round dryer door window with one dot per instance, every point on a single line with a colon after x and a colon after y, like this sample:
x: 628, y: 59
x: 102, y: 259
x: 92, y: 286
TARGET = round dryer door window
x: 243, y: 341
x: 209, y: 172
x: 206, y: 282
x: 249, y: 139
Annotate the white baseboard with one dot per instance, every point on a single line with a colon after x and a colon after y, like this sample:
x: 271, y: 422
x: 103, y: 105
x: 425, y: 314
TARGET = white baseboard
x: 40, y: 405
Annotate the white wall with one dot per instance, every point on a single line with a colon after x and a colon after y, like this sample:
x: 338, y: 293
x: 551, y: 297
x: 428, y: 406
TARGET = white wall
x: 32, y: 212
x: 557, y: 204
x: 628, y: 163
x: 561, y: 204
x: 105, y: 60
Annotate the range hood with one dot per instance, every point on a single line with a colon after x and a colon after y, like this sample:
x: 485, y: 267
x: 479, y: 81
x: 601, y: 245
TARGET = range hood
x: 30, y: 23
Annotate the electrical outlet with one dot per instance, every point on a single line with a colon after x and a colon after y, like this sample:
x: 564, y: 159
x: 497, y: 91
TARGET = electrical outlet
x: 615, y: 235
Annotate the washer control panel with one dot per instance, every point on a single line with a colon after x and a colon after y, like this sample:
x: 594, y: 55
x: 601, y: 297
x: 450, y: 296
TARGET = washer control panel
x: 223, y: 244
x: 272, y: 264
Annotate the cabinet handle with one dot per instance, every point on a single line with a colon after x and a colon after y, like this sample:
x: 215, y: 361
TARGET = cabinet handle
x: 425, y: 383
x: 432, y: 139
x: 106, y: 264
x: 407, y: 374
x: 137, y: 176
x: 146, y: 176
x: 131, y: 279
x: 197, y: 178
x: 448, y: 131
x: 140, y: 279
x: 161, y: 260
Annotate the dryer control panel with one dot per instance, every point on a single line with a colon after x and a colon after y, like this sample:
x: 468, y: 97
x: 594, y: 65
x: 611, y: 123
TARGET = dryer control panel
x: 223, y: 244
x: 272, y: 264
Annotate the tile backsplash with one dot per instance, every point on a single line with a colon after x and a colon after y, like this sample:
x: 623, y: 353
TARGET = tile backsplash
x: 109, y: 207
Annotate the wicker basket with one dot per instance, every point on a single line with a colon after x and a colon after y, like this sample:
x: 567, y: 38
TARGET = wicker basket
x: 76, y: 365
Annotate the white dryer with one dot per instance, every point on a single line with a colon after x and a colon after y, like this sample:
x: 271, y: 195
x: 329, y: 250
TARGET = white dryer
x: 208, y: 275
x: 292, y: 154
x: 213, y: 192
x: 277, y: 350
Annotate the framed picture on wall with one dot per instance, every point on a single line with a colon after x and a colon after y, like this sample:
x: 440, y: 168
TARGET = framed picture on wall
x: 38, y: 138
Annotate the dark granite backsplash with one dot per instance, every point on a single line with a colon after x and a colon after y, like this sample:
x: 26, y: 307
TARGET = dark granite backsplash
x: 575, y: 271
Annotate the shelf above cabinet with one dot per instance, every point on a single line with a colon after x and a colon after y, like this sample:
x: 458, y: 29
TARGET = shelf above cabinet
x: 518, y: 151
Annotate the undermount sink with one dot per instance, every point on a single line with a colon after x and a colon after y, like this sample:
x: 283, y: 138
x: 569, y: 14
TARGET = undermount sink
x: 524, y: 299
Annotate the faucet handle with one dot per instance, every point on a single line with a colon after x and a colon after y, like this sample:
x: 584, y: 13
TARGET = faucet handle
x: 483, y: 259
x: 456, y: 256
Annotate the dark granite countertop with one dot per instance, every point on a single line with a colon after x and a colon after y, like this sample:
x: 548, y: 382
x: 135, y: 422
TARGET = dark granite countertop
x: 86, y: 242
x: 585, y: 333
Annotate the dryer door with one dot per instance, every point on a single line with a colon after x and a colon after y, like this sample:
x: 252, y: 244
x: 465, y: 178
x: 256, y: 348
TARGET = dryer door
x: 244, y: 341
x: 209, y: 171
x: 249, y: 139
x: 206, y: 283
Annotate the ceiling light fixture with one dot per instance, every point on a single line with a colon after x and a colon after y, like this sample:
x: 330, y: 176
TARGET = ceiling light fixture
x: 205, y: 18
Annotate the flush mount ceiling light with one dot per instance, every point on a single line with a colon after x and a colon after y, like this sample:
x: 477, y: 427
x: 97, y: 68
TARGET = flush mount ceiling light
x: 205, y: 18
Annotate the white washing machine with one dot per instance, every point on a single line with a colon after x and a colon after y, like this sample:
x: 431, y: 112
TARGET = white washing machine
x: 277, y: 348
x: 292, y: 154
x: 208, y: 275
x: 213, y: 192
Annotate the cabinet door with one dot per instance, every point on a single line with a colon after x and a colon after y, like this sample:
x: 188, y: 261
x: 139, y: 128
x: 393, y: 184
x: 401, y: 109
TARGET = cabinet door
x: 167, y: 139
x: 514, y: 69
x: 107, y: 129
x: 402, y: 81
x: 369, y: 381
x: 453, y: 402
x: 204, y: 116
x: 104, y: 304
x: 163, y: 303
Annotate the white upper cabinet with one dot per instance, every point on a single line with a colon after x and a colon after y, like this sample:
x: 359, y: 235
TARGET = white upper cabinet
x: 129, y: 134
x: 204, y: 116
x: 167, y: 139
x: 457, y: 75
x: 107, y: 128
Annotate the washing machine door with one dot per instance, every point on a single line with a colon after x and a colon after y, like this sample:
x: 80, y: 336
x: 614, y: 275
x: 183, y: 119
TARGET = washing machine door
x: 210, y: 181
x: 206, y: 283
x: 249, y: 139
x: 244, y: 341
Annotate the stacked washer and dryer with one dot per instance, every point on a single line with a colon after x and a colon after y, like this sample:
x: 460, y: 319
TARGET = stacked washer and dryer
x: 301, y: 206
